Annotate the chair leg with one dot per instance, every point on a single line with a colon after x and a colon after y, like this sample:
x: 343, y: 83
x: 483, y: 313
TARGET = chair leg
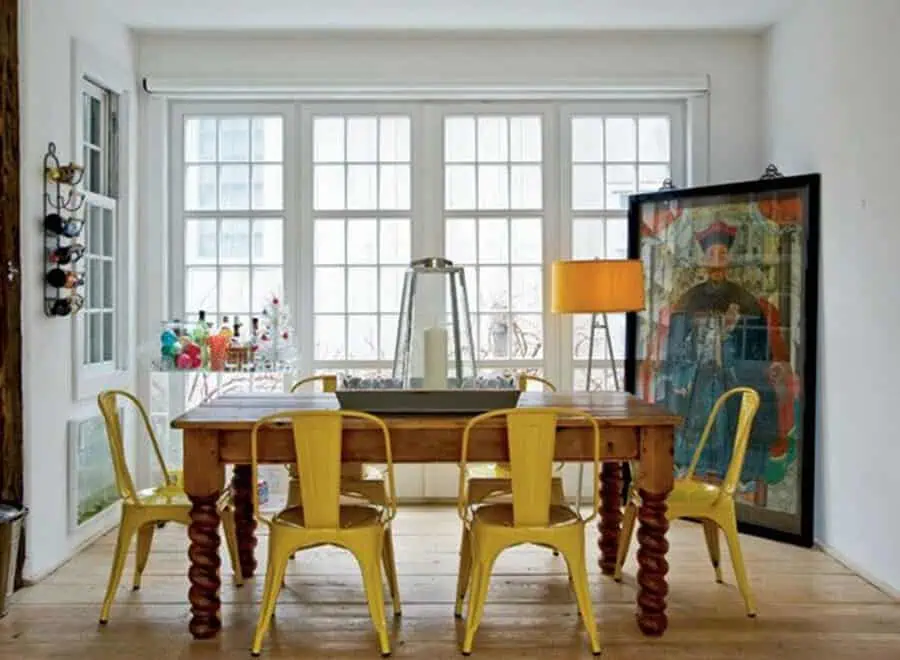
x: 142, y: 552
x: 557, y: 498
x: 123, y: 541
x: 628, y: 520
x: 277, y: 564
x: 230, y: 529
x: 711, y: 532
x: 464, y: 574
x: 390, y: 569
x: 737, y: 561
x: 370, y: 564
x: 481, y: 577
x: 579, y: 580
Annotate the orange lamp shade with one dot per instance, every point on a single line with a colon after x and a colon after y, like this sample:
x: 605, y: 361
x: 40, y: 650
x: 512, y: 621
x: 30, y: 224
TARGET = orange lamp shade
x: 597, y: 285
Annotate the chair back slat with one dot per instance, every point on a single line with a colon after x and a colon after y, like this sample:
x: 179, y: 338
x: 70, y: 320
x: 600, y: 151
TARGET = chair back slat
x: 317, y: 443
x: 532, y: 444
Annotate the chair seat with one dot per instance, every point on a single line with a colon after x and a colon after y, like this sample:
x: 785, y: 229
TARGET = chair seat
x: 501, y: 515
x: 351, y: 516
x: 692, y: 493
x: 171, y: 495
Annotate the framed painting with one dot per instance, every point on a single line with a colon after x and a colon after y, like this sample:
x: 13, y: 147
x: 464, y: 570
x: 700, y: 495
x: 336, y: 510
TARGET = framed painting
x: 731, y: 284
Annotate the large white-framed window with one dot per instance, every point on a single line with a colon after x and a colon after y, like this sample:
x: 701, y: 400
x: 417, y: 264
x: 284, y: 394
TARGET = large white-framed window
x: 100, y: 99
x: 503, y: 188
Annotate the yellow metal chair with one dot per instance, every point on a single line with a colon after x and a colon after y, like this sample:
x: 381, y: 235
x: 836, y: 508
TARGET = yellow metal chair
x: 144, y: 510
x: 713, y: 505
x: 357, y: 480
x: 362, y: 529
x: 531, y: 517
x: 494, y: 479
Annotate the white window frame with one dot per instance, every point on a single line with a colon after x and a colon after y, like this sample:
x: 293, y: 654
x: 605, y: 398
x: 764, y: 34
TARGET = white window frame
x: 427, y: 208
x: 101, y: 71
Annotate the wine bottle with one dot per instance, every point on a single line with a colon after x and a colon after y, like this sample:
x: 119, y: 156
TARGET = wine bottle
x: 68, y: 254
x: 63, y: 279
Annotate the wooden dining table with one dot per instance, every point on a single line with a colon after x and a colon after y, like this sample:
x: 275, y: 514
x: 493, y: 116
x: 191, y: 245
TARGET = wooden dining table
x: 217, y: 433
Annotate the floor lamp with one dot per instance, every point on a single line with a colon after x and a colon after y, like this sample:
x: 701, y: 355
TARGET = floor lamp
x: 597, y: 287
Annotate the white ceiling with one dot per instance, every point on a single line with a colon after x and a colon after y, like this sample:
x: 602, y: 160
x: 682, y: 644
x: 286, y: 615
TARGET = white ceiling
x: 447, y: 14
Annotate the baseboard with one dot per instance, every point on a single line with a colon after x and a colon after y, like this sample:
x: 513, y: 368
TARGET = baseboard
x: 865, y: 575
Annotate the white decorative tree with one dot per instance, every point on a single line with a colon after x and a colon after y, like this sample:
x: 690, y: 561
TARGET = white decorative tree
x: 276, y: 347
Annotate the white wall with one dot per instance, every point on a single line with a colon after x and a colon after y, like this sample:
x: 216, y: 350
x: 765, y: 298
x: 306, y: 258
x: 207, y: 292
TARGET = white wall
x: 47, y: 30
x: 833, y: 99
x: 732, y: 61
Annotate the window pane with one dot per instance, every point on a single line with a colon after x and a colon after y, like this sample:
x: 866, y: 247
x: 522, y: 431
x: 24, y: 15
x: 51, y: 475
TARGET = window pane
x: 492, y: 139
x: 654, y: 138
x: 526, y: 187
x: 329, y: 242
x: 268, y: 241
x: 459, y: 139
x: 94, y: 165
x: 95, y: 338
x: 493, y: 335
x: 587, y: 187
x: 200, y: 187
x: 329, y: 290
x: 616, y: 238
x: 362, y: 140
x: 108, y: 285
x: 329, y: 187
x: 525, y: 139
x: 587, y: 238
x: 234, y: 140
x: 362, y: 241
x: 328, y: 139
x: 581, y: 337
x: 388, y: 337
x: 621, y: 139
x: 234, y: 242
x: 234, y: 295
x: 329, y: 338
x: 587, y: 139
x: 391, y: 289
x: 94, y: 281
x: 200, y: 140
x: 362, y: 187
x: 395, y: 242
x: 394, y: 187
x: 460, y: 187
x: 200, y: 242
x: 493, y: 187
x: 95, y: 230
x: 651, y: 177
x: 493, y: 241
x: 200, y: 292
x: 394, y: 139
x: 94, y: 116
x: 527, y: 338
x: 267, y: 282
x: 234, y: 187
x: 268, y: 187
x: 621, y: 181
x: 268, y: 139
x: 362, y: 337
x: 526, y: 288
x: 362, y: 290
x: 109, y: 240
x: 108, y: 336
x: 493, y: 288
x: 526, y: 235
x: 460, y: 240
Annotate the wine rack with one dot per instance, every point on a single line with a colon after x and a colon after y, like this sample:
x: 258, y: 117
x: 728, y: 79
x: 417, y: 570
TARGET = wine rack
x: 62, y: 278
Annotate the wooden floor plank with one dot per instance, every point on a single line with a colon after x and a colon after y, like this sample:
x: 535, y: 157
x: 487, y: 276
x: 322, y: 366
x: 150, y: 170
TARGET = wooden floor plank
x: 810, y: 606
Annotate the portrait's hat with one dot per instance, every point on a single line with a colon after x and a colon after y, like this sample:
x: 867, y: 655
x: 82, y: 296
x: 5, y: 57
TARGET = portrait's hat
x: 717, y: 233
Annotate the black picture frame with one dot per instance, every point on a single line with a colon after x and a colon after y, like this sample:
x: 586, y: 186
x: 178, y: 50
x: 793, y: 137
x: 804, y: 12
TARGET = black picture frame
x: 781, y: 214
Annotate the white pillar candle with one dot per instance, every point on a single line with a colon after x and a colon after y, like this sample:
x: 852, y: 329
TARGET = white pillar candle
x: 435, y: 359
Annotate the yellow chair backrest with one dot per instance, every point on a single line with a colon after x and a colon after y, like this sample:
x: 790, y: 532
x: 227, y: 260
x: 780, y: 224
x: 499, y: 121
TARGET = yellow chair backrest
x: 318, y: 439
x: 749, y: 406
x: 329, y: 382
x: 108, y: 403
x: 524, y: 378
x: 531, y: 437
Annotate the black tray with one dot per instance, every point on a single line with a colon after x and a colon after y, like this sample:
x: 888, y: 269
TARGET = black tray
x: 427, y: 402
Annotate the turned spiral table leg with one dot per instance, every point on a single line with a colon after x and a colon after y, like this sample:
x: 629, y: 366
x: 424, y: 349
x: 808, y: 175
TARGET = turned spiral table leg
x: 203, y: 574
x: 610, y: 515
x: 243, y: 517
x: 652, y: 564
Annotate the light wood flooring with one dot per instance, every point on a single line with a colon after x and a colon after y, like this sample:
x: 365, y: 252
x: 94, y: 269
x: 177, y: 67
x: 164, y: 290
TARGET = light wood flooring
x: 810, y: 606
